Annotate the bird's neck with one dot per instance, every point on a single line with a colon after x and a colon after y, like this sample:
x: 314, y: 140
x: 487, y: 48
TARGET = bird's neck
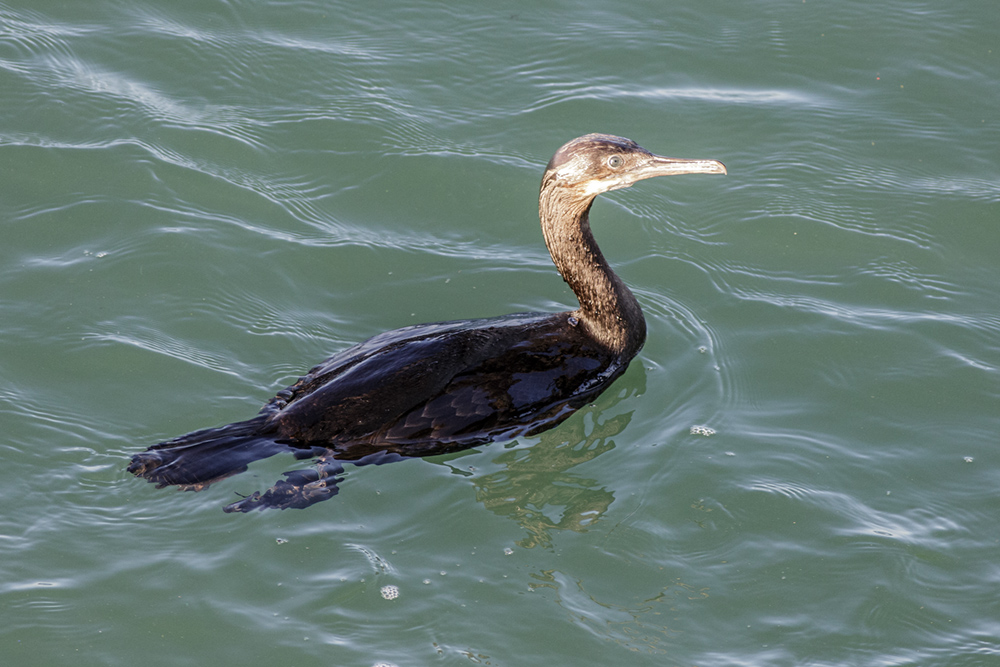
x: 608, y: 309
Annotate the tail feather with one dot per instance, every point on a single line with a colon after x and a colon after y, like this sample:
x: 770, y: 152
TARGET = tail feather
x: 195, y: 460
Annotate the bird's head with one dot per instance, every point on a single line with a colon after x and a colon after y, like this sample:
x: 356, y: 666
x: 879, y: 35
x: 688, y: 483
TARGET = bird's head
x: 596, y: 163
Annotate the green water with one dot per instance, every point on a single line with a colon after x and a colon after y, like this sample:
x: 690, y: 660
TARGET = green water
x: 201, y: 200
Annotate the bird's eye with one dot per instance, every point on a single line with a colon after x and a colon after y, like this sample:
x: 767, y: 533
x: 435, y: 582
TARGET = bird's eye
x: 615, y: 161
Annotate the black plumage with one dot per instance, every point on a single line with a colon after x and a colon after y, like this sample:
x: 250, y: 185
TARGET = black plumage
x: 443, y: 387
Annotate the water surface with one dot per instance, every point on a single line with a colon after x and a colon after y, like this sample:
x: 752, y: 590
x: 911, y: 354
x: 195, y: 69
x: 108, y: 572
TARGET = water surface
x: 199, y: 201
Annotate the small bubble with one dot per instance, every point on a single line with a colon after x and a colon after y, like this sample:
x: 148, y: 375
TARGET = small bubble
x: 281, y: 540
x: 508, y: 551
x: 968, y: 459
x: 427, y: 581
x: 703, y: 349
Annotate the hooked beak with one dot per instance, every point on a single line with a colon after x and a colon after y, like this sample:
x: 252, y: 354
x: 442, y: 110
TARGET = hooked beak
x: 657, y: 165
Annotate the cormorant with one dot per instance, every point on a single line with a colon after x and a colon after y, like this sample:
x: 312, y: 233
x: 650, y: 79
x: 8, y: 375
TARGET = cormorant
x: 437, y: 388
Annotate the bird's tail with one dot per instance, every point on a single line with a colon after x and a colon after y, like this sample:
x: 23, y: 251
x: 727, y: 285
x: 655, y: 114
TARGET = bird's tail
x: 195, y: 460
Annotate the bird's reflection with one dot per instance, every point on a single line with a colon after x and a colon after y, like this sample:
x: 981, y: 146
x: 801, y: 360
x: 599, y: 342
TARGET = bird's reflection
x: 537, y: 487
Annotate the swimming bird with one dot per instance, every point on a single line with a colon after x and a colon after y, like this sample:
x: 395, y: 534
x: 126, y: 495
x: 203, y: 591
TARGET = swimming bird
x: 443, y: 387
